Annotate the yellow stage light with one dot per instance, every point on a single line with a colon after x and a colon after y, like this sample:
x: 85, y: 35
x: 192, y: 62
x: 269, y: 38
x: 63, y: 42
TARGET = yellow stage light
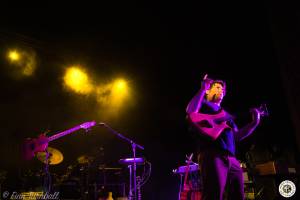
x: 23, y: 60
x: 113, y: 94
x: 114, y: 97
x: 14, y: 55
x: 120, y: 87
x: 30, y: 64
x: 76, y: 79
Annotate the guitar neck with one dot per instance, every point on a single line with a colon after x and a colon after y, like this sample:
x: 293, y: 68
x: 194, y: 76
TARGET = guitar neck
x: 59, y: 135
x: 186, y: 174
x: 187, y: 169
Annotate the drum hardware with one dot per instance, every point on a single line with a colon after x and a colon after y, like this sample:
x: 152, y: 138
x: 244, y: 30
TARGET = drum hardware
x: 89, y: 180
x: 132, y: 167
x: 101, y: 192
x: 55, y: 156
x: 84, y: 159
x: 2, y: 179
x: 130, y: 161
x: 49, y: 156
x: 109, y: 168
x: 141, y: 180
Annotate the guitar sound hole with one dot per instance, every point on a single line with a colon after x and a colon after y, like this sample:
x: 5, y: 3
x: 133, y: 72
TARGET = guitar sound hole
x: 205, y: 123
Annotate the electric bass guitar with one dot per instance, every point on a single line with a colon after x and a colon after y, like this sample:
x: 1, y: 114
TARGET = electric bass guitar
x: 31, y: 146
x: 212, y: 125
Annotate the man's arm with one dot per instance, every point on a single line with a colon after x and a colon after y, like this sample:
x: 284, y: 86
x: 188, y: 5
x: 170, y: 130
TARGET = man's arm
x: 249, y: 128
x: 196, y: 102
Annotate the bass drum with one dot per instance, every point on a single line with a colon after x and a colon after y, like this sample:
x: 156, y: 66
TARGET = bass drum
x: 70, y: 189
x: 72, y: 183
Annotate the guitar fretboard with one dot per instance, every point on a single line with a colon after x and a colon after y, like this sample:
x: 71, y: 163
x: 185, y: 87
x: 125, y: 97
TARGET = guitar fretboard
x: 58, y: 135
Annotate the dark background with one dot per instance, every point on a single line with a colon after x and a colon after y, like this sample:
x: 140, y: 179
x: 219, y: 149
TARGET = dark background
x: 164, y: 50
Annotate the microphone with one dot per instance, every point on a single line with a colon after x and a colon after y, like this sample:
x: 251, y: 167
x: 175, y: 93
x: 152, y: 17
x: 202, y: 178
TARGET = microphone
x: 101, y: 124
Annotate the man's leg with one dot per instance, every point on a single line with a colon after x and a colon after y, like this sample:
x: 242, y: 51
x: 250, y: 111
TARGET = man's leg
x: 235, y: 180
x: 214, y: 173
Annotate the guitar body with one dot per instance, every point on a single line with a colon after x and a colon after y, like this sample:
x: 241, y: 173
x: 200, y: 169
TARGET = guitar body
x: 187, y: 193
x: 31, y: 146
x: 184, y: 195
x: 196, y: 195
x: 190, y: 193
x: 210, y: 125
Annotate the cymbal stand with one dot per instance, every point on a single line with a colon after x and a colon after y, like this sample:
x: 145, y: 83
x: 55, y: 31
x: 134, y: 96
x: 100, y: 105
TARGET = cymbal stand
x: 132, y: 172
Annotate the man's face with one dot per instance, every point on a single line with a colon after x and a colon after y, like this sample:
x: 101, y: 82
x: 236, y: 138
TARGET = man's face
x: 215, y: 93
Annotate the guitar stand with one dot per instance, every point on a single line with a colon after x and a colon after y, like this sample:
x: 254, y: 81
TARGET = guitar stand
x: 180, y: 186
x: 47, y: 176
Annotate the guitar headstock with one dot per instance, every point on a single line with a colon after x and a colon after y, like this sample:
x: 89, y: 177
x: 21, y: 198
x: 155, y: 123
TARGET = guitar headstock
x: 189, y: 158
x: 88, y: 125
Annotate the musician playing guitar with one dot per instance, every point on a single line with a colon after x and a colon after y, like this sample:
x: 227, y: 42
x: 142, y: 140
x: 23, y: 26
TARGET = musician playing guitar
x: 219, y: 165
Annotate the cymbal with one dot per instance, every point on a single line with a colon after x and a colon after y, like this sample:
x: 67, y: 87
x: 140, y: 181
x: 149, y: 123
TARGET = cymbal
x: 55, y: 156
x: 109, y: 168
x: 130, y: 161
x: 84, y: 159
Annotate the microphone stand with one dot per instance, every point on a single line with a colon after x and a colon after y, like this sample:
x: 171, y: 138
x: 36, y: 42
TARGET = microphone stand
x: 133, y: 146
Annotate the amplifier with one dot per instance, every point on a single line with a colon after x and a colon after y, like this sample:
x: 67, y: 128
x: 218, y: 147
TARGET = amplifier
x: 273, y: 168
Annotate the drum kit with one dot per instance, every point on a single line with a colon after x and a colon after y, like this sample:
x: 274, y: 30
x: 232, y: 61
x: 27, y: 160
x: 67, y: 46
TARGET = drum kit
x: 87, y: 178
